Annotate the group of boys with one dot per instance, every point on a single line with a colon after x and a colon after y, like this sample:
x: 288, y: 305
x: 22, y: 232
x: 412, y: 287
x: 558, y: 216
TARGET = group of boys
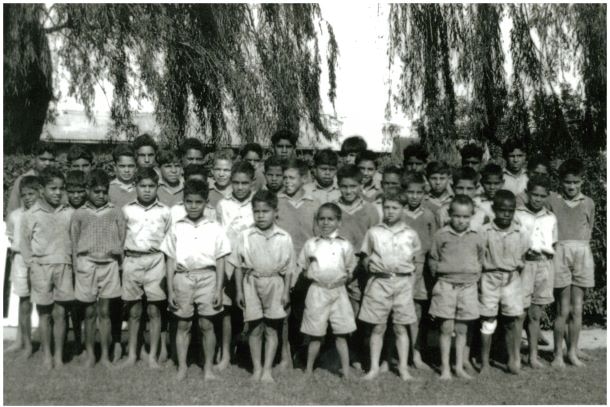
x: 293, y: 250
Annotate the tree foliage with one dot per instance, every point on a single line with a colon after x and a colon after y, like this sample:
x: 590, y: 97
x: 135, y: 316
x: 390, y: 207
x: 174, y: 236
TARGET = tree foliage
x: 213, y: 69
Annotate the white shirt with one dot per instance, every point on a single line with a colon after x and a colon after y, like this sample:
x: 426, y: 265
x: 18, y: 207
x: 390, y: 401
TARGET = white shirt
x: 327, y: 260
x: 146, y: 226
x: 235, y: 215
x: 178, y: 212
x: 541, y: 228
x: 391, y: 249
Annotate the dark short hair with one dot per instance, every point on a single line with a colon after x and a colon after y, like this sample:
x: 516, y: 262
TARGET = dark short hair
x: 254, y: 147
x: 297, y: 164
x: 76, y: 178
x: 512, y: 145
x: 123, y: 150
x: 392, y: 169
x: 144, y: 140
x: 353, y: 144
x: 284, y: 135
x: 29, y: 181
x: 411, y: 177
x: 196, y: 187
x: 349, y: 171
x: 438, y: 167
x: 415, y: 150
x: 491, y: 170
x: 42, y: 147
x: 326, y: 157
x: 273, y: 161
x: 471, y: 150
x: 98, y: 178
x: 367, y: 155
x: 76, y: 152
x: 49, y: 174
x: 265, y: 196
x: 534, y: 161
x: 146, y: 173
x: 502, y: 196
x: 192, y: 143
x: 466, y: 173
x: 332, y: 206
x: 195, y: 169
x: 395, y: 197
x: 538, y: 180
x: 461, y: 200
x: 571, y: 166
x: 167, y: 156
x: 243, y: 167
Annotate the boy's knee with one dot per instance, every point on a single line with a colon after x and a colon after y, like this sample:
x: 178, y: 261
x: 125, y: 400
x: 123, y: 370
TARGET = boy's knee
x: 255, y: 328
x: 379, y: 329
x: 154, y: 310
x: 488, y: 326
x: 44, y: 310
x: 90, y: 311
x: 184, y: 325
x: 135, y: 311
x: 59, y: 311
x: 206, y: 325
x: 400, y: 330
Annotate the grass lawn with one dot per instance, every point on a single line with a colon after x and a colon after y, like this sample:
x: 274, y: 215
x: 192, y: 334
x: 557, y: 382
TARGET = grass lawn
x: 25, y: 382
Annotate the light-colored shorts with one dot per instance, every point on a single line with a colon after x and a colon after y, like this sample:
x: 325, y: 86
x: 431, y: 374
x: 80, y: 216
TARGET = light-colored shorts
x: 51, y: 283
x: 96, y: 279
x: 537, y: 282
x: 19, y: 276
x: 501, y: 291
x: 324, y: 305
x: 421, y: 282
x: 574, y: 264
x: 383, y: 295
x: 457, y: 301
x: 263, y: 297
x: 195, y: 287
x: 144, y: 275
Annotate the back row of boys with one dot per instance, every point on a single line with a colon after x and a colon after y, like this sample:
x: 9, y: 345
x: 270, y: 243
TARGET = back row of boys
x: 516, y: 254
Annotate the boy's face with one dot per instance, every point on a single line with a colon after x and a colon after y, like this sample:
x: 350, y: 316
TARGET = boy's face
x: 350, y: 190
x: 29, y: 196
x: 98, y: 196
x: 283, y: 149
x: 415, y: 194
x: 170, y: 172
x: 492, y: 184
x: 325, y: 174
x: 465, y: 187
x: 540, y: 169
x: 504, y: 212
x: 76, y: 195
x: 82, y: 165
x: 350, y: 158
x: 253, y: 158
x: 537, y: 197
x: 392, y: 211
x: 264, y: 215
x: 438, y: 183
x: 125, y: 168
x: 414, y: 164
x: 194, y: 205
x: 367, y: 168
x: 242, y: 185
x: 146, y: 190
x: 293, y: 181
x: 327, y: 221
x: 459, y: 216
x: 275, y: 178
x: 472, y: 162
x: 52, y: 192
x: 390, y: 183
x: 192, y: 156
x: 515, y: 160
x: 43, y: 160
x: 145, y: 157
x: 222, y: 172
x: 571, y: 185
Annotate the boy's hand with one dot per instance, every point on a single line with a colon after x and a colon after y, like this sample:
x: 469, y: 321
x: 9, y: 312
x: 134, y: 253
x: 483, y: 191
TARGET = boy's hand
x: 217, y: 303
x: 286, y: 298
x: 171, y: 301
x: 241, y: 303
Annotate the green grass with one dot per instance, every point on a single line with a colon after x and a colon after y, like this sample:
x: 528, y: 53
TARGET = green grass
x: 25, y: 382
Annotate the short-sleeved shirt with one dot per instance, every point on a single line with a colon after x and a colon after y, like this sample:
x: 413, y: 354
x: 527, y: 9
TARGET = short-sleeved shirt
x: 216, y: 195
x: 45, y: 234
x: 422, y: 221
x: 479, y: 217
x: 323, y: 195
x: 265, y: 252
x: 541, y: 228
x: 515, y: 183
x: 296, y: 216
x: 13, y: 228
x: 170, y: 195
x: 235, y: 215
x: 146, y: 226
x: 178, y: 212
x: 436, y: 203
x: 356, y: 219
x: 575, y: 218
x: 456, y: 257
x: 196, y: 245
x: 334, y: 258
x: 391, y: 249
x: 120, y: 194
x: 504, y: 248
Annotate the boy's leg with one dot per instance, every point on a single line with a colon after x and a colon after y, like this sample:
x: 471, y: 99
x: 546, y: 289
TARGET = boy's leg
x: 376, y: 344
x: 209, y: 346
x: 25, y: 325
x: 226, y: 336
x: 461, y: 333
x: 286, y: 358
x: 488, y: 327
x: 44, y: 322
x: 116, y: 322
x: 534, y: 314
x: 255, y: 341
x: 447, y: 326
x: 182, y: 344
x: 76, y: 317
x: 419, y: 334
x: 343, y: 351
x: 164, y: 341
x: 90, y: 314
x: 59, y: 332
x: 402, y: 345
x: 575, y: 324
x: 103, y: 312
x: 562, y: 305
x: 513, y: 326
x: 135, y: 314
x: 19, y: 339
x: 271, y: 328
x: 312, y: 352
x: 154, y: 315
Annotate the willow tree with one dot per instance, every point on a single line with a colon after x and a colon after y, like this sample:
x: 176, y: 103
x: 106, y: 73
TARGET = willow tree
x: 445, y: 47
x: 220, y: 68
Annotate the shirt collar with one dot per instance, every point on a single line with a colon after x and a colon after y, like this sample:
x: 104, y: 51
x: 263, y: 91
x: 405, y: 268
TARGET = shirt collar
x: 121, y: 184
x: 579, y: 197
x: 399, y: 227
x: 201, y: 221
x: 332, y: 187
x: 414, y: 214
x: 155, y: 203
x: 42, y: 205
x: 373, y: 186
x: 443, y: 197
x: 92, y: 207
x: 332, y: 236
x: 450, y: 230
x: 510, y: 174
x: 353, y: 207
x: 274, y: 230
x: 515, y: 226
x: 306, y: 197
x: 176, y: 188
x: 542, y: 212
x: 244, y: 202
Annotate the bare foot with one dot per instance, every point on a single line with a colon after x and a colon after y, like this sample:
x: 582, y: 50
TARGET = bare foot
x: 107, y: 364
x: 170, y: 363
x: 373, y: 373
x: 573, y: 359
x: 418, y: 363
x: 181, y: 375
x: 58, y: 363
x: 267, y: 378
x: 222, y: 365
x: 468, y: 366
x: 153, y: 364
x: 163, y: 354
x: 384, y: 367
x: 513, y: 368
x: 345, y: 373
x: 445, y: 375
x: 357, y: 366
x: 209, y: 375
x: 256, y: 375
x: 462, y: 373
x: 535, y: 363
x: 88, y: 362
x: 15, y: 346
x: 558, y: 362
x: 47, y: 362
x: 404, y: 374
x: 130, y: 361
x: 117, y: 352
x: 143, y: 353
x: 484, y: 368
x: 27, y: 352
x: 285, y: 364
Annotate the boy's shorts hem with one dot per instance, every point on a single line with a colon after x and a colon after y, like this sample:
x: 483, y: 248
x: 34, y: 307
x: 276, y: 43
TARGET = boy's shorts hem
x: 574, y: 264
x: 324, y: 306
x: 537, y: 278
x: 385, y: 295
x: 263, y: 297
x: 51, y: 283
x: 421, y: 282
x: 454, y: 301
x: 19, y: 277
x: 192, y: 288
x: 144, y: 275
x: 96, y: 279
x: 501, y: 292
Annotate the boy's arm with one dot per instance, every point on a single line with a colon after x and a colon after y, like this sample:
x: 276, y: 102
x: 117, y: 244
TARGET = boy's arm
x: 122, y: 227
x: 170, y: 268
x: 237, y: 261
x: 74, y: 236
x: 435, y: 256
x: 26, y: 240
x: 220, y: 278
x: 351, y: 261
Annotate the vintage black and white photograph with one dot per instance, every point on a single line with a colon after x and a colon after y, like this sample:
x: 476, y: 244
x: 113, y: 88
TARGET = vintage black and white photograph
x: 336, y: 203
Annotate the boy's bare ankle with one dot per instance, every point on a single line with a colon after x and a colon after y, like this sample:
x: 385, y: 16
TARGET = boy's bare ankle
x: 460, y: 372
x: 181, y: 375
x: 266, y: 377
x: 445, y: 374
x: 372, y: 374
